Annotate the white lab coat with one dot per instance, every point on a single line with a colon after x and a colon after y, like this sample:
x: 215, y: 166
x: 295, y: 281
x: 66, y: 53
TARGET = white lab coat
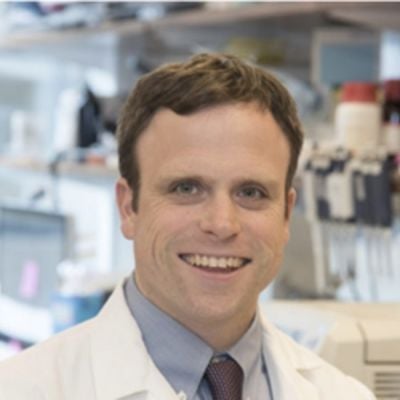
x: 105, y: 359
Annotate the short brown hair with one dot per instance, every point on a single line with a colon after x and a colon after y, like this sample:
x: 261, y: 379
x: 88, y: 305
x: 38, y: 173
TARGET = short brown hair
x: 205, y: 80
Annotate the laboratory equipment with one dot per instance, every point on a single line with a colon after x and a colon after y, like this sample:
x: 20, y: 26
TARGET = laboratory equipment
x: 361, y: 339
x: 32, y: 244
x: 391, y: 115
x: 358, y: 116
x: 351, y: 215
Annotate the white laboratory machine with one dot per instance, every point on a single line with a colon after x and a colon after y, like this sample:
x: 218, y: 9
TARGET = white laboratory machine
x: 361, y: 339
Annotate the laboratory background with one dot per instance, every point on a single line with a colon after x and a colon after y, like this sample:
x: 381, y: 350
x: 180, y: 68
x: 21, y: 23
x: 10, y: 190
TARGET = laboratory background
x: 65, y: 70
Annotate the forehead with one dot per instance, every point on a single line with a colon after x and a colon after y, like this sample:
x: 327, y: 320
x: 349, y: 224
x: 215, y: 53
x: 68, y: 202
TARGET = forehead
x: 239, y: 136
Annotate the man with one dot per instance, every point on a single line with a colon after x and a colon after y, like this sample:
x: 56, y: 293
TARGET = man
x: 208, y: 150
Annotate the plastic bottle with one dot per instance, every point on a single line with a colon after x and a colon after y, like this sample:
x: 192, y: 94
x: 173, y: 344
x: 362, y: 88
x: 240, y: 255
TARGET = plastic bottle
x: 391, y: 116
x: 395, y: 186
x: 358, y: 117
x: 77, y: 299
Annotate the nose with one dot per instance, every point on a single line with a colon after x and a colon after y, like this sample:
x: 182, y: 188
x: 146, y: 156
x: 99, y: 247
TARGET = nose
x: 220, y: 218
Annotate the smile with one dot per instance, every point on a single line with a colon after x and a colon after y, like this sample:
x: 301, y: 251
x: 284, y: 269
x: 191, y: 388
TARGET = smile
x: 205, y: 261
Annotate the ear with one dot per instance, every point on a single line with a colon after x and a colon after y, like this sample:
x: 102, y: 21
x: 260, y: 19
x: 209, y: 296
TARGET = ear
x: 290, y: 203
x: 124, y: 196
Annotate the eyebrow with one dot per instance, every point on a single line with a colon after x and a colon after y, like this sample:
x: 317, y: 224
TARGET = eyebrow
x: 165, y: 181
x: 251, y: 181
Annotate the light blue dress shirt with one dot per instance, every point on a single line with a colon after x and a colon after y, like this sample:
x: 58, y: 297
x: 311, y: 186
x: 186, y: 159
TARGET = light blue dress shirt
x: 182, y: 357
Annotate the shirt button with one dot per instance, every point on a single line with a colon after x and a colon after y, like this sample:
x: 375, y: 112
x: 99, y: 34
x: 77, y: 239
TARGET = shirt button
x: 182, y: 396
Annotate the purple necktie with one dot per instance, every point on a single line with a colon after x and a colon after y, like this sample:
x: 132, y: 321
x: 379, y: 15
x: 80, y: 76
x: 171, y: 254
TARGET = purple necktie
x: 225, y: 378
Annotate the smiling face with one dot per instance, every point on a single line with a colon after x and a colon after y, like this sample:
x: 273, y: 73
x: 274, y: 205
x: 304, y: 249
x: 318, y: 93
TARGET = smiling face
x: 210, y: 227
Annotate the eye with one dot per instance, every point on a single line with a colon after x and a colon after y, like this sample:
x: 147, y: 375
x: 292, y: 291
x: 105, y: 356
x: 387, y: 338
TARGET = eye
x: 186, y: 188
x: 251, y: 193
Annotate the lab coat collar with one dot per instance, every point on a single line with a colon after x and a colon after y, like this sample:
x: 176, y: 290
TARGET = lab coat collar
x: 121, y: 366
x: 287, y: 367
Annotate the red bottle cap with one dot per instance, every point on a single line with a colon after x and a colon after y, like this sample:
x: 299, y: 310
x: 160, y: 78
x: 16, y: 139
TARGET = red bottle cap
x: 392, y: 89
x: 359, y: 92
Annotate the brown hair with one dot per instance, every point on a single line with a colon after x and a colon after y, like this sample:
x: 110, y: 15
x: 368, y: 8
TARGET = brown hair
x: 203, y: 81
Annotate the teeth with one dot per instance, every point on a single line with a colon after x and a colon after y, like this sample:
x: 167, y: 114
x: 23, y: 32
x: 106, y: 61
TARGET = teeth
x: 222, y: 262
x: 213, y: 262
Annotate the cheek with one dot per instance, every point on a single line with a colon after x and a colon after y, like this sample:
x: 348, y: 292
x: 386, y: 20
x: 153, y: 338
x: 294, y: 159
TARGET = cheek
x: 158, y: 228
x: 268, y: 236
x: 269, y: 226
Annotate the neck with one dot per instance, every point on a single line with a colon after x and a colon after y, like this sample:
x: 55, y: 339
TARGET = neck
x: 222, y: 334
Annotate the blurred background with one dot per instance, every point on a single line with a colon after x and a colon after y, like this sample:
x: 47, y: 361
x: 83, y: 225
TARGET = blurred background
x: 65, y: 70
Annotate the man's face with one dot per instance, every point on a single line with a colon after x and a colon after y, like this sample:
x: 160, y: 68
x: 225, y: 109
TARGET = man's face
x: 210, y: 227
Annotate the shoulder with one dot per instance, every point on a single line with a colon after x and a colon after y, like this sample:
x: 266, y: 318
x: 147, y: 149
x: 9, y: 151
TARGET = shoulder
x: 65, y: 366
x: 328, y: 381
x: 46, y: 365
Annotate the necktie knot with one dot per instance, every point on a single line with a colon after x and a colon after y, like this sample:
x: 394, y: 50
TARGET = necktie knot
x: 225, y: 378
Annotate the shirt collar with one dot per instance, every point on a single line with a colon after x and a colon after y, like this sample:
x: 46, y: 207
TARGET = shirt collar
x: 180, y: 355
x: 248, y: 348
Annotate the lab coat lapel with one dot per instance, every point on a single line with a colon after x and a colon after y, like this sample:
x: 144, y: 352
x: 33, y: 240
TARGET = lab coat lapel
x: 122, y: 368
x: 285, y: 368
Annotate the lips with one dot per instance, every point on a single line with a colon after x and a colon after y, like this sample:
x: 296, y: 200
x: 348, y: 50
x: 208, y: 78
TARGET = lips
x: 227, y: 263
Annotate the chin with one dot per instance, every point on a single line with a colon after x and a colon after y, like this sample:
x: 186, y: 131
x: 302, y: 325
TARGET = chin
x: 216, y: 312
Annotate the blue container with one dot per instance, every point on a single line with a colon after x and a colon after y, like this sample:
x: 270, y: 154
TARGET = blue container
x: 68, y: 309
